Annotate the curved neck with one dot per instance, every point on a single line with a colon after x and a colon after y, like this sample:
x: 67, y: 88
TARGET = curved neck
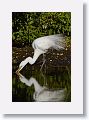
x: 37, y: 53
x: 31, y: 60
x: 31, y: 81
x: 37, y: 86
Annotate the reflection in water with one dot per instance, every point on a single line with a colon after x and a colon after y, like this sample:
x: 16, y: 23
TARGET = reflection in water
x: 53, y: 81
x: 42, y: 93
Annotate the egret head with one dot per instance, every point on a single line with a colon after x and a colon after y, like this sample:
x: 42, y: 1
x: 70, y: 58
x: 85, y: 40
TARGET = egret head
x: 21, y: 65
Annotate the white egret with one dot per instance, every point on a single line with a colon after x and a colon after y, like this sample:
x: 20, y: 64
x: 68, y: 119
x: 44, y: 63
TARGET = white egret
x: 41, y: 46
x: 42, y: 93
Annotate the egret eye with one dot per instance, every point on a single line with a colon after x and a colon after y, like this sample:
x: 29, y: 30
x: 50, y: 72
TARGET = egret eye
x: 21, y: 65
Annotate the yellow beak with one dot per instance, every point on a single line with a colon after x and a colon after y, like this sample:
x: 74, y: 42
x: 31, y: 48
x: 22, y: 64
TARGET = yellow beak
x: 17, y: 71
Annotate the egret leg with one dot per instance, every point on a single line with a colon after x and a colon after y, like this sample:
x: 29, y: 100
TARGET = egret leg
x: 43, y: 62
x: 44, y: 78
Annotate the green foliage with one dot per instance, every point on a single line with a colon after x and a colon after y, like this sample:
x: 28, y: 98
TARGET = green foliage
x: 28, y: 26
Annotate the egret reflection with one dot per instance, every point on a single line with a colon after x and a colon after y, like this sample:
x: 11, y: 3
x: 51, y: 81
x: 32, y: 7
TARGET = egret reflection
x: 43, y: 93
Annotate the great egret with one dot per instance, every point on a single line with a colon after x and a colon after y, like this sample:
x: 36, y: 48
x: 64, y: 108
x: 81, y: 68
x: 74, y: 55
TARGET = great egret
x: 42, y: 93
x: 41, y: 46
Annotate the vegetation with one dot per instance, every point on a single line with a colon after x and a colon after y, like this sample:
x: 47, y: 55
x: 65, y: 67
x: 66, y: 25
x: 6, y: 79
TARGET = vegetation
x: 53, y: 78
x: 27, y: 26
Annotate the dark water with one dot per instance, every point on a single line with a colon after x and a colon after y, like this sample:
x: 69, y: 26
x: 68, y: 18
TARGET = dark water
x: 52, y: 78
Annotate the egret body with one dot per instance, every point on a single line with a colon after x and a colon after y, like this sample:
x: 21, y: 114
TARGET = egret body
x: 41, y: 46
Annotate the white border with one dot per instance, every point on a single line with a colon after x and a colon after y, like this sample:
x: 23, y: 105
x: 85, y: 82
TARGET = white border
x: 76, y: 104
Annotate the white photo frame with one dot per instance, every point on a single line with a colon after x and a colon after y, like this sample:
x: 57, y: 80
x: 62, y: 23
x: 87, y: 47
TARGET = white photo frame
x: 76, y: 104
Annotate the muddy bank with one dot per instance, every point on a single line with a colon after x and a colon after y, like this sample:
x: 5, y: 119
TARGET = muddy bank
x: 53, y: 57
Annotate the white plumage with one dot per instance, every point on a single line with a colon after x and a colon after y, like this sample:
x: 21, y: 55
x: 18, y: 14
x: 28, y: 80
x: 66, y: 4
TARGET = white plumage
x: 42, y: 93
x: 42, y: 44
x: 53, y: 41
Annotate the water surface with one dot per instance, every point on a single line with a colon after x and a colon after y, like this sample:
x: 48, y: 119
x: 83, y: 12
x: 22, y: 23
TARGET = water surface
x: 51, y: 77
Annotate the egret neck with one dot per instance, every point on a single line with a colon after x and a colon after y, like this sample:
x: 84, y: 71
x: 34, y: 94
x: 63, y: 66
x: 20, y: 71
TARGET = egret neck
x: 31, y: 81
x: 37, y: 53
x: 37, y: 86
